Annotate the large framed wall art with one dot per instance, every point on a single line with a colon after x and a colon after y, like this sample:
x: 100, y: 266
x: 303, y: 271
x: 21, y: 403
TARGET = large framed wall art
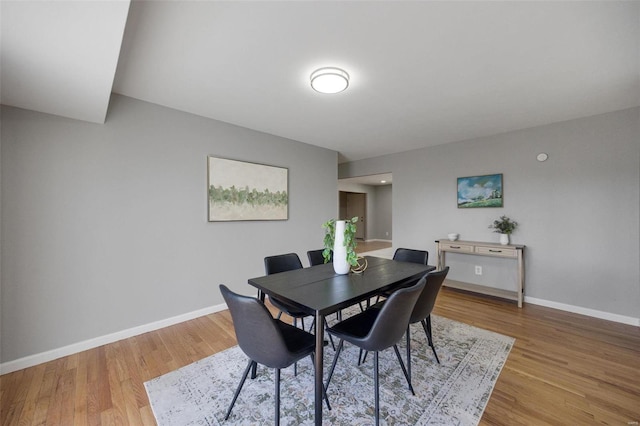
x: 480, y: 191
x: 240, y: 190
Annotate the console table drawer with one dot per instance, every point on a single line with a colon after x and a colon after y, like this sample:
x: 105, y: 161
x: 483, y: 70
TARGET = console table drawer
x: 494, y: 251
x: 457, y: 247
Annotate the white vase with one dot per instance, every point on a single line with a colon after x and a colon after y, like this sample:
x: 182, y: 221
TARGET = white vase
x: 340, y: 265
x: 504, y: 239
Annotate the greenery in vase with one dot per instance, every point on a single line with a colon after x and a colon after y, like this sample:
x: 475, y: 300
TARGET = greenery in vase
x: 504, y: 225
x: 349, y: 240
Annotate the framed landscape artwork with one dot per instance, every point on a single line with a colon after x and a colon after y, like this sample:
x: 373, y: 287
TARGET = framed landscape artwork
x: 240, y: 190
x: 480, y: 191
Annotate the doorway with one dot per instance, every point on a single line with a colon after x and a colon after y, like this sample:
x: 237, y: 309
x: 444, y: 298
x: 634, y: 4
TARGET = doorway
x: 354, y: 204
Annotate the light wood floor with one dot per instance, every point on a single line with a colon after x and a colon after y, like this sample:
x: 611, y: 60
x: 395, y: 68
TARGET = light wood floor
x: 564, y: 369
x: 364, y: 246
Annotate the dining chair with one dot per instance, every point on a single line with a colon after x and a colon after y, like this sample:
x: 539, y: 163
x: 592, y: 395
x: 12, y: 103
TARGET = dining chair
x: 377, y: 329
x: 282, y: 263
x: 423, y: 308
x: 316, y: 257
x: 266, y: 341
x: 411, y: 255
x: 422, y: 312
x: 406, y: 255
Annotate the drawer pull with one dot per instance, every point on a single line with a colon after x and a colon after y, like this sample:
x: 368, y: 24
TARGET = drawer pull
x: 495, y: 251
x: 455, y: 247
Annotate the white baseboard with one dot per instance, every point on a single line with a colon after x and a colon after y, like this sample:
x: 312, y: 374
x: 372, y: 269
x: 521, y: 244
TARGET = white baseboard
x: 31, y: 360
x: 584, y: 311
x: 378, y: 239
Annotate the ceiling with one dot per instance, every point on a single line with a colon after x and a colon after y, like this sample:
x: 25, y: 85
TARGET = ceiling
x: 422, y: 73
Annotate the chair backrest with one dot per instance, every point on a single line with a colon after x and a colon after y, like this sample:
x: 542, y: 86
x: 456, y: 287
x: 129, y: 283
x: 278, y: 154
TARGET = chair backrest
x: 281, y: 263
x: 258, y: 335
x: 393, y: 318
x: 411, y: 255
x: 427, y: 299
x: 316, y: 258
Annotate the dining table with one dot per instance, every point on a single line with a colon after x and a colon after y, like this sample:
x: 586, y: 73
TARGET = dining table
x: 319, y: 292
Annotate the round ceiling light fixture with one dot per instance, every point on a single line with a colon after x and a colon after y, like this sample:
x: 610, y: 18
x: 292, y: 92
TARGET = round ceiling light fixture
x: 329, y: 80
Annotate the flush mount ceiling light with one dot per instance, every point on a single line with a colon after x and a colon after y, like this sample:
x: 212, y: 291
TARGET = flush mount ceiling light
x: 329, y: 80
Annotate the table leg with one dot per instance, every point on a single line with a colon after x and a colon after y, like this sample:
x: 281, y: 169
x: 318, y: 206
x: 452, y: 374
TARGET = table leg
x: 520, y: 278
x: 254, y: 369
x: 319, y: 383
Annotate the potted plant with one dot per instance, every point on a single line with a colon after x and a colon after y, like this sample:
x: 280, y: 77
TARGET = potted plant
x: 505, y: 227
x: 343, y: 244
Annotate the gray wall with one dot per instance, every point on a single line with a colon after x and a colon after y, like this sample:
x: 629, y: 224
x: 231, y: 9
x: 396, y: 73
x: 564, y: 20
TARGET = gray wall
x: 384, y: 213
x: 104, y: 227
x: 578, y: 210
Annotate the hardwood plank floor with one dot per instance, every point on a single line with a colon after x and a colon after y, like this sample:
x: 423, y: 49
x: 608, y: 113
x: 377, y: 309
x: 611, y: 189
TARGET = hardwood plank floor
x: 564, y: 369
x: 364, y: 246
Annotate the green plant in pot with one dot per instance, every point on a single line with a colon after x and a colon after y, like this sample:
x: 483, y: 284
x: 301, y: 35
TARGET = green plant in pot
x: 505, y: 227
x: 348, y: 248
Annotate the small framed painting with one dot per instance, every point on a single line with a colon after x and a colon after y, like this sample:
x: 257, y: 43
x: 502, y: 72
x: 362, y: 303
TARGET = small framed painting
x: 480, y: 191
x: 240, y: 190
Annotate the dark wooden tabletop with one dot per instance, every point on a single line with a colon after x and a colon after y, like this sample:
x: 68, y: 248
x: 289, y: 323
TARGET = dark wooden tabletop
x: 320, y: 289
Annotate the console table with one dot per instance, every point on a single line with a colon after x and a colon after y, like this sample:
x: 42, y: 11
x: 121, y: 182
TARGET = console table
x: 513, y: 251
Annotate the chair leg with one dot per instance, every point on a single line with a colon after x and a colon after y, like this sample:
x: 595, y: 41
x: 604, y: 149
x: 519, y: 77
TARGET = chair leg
x: 364, y: 358
x: 235, y: 396
x: 277, y: 393
x: 324, y: 389
x: 376, y: 388
x: 326, y: 325
x: 404, y: 370
x: 426, y: 324
x: 254, y: 371
x: 333, y: 364
x: 409, y: 352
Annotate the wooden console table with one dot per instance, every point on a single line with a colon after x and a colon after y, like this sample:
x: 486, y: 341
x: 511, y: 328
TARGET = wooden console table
x: 513, y: 251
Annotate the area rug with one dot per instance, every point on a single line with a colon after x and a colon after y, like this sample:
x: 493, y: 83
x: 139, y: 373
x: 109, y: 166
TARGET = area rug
x: 454, y: 392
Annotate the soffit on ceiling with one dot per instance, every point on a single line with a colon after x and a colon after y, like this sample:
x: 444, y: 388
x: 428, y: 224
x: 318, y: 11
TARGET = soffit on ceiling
x: 60, y: 57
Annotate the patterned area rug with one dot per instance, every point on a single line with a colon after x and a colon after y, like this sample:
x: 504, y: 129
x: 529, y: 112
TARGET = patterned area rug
x: 454, y: 392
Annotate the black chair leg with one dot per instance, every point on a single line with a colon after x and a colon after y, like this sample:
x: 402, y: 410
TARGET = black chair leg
x: 235, y: 396
x: 426, y: 324
x: 409, y: 353
x: 333, y: 364
x: 404, y: 370
x: 277, y: 403
x: 254, y: 371
x: 376, y: 388
x: 326, y: 325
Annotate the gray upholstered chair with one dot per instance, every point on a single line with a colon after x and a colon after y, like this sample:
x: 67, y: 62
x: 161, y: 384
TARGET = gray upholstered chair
x: 265, y: 341
x: 378, y: 329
